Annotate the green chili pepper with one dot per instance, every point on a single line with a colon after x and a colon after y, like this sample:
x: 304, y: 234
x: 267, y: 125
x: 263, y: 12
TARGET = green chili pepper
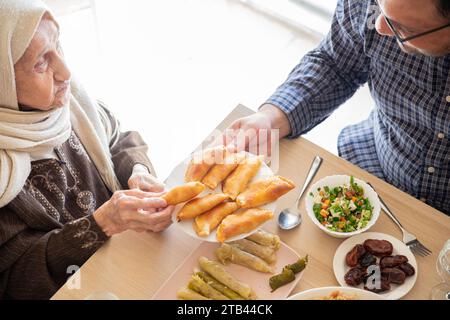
x: 288, y: 273
x: 299, y: 265
x: 279, y: 280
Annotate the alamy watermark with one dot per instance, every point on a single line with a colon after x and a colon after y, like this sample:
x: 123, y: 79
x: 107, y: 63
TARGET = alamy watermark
x: 374, y: 12
x: 74, y: 282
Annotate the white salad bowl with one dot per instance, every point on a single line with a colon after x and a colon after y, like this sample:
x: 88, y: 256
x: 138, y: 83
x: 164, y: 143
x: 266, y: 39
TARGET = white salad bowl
x: 336, y: 181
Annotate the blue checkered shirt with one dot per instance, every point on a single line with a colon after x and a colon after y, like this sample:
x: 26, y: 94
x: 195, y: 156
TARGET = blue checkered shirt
x: 406, y: 139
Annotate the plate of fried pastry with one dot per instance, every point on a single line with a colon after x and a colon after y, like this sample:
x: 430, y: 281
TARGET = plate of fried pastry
x: 223, y: 196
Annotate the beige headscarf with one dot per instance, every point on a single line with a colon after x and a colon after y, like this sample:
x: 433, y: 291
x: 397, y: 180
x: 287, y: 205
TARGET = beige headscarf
x: 24, y: 134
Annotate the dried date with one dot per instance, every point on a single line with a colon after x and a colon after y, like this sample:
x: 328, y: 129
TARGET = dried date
x: 367, y: 259
x: 393, y: 275
x: 378, y: 248
x: 408, y: 269
x: 382, y: 286
x: 355, y: 276
x: 354, y: 255
x: 392, y: 261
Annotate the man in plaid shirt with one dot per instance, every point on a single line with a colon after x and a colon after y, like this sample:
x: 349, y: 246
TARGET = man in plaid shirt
x: 401, y: 49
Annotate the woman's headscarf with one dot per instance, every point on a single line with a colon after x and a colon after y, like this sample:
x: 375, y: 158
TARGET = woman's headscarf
x: 23, y: 134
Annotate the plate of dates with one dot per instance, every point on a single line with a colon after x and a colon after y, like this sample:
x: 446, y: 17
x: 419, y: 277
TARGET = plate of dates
x: 376, y: 262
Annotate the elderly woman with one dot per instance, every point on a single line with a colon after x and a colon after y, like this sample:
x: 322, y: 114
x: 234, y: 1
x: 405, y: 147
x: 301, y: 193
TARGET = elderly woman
x: 64, y: 164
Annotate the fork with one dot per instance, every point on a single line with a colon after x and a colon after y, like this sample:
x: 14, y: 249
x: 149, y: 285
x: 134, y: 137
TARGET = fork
x: 408, y: 238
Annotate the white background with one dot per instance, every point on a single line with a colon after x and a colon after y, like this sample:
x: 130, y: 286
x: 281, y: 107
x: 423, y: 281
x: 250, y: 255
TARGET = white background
x: 172, y: 70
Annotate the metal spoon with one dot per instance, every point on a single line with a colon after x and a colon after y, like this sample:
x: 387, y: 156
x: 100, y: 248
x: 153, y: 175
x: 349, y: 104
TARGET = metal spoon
x: 290, y: 218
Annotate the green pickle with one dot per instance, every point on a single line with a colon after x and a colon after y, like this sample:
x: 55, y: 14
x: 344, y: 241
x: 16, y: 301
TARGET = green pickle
x: 279, y: 280
x: 288, y: 274
x: 299, y: 265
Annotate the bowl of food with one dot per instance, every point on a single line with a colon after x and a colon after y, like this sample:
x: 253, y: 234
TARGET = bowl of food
x: 335, y: 293
x: 342, y: 206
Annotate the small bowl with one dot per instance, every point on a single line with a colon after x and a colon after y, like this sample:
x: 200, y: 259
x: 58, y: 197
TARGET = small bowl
x: 318, y: 293
x: 335, y: 181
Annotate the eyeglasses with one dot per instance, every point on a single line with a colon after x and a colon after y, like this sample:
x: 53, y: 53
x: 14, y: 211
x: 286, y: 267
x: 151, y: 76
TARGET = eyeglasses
x: 398, y: 34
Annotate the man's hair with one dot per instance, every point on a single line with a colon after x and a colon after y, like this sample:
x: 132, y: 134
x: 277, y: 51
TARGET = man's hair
x: 444, y: 7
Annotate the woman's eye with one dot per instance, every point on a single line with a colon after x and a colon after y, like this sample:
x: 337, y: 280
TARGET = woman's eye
x: 41, y: 65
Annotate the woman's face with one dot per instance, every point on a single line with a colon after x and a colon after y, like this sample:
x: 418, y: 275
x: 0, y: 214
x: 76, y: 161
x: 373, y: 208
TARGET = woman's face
x: 42, y: 77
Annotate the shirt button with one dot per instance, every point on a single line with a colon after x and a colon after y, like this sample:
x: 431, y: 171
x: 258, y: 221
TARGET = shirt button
x: 441, y: 135
x: 430, y: 169
x: 448, y: 99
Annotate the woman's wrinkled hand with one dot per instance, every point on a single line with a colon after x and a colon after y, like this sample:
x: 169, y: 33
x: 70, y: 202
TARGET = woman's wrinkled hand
x: 142, y: 179
x: 134, y: 210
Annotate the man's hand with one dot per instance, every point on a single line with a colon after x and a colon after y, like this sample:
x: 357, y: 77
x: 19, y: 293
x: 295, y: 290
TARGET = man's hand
x: 254, y: 133
x: 142, y: 179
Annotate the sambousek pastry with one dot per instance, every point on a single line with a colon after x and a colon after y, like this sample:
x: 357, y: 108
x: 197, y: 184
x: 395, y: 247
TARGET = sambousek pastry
x: 202, y: 161
x: 238, y: 180
x: 242, y: 222
x: 220, y: 171
x: 264, y: 191
x: 208, y: 221
x: 183, y: 193
x: 198, y: 206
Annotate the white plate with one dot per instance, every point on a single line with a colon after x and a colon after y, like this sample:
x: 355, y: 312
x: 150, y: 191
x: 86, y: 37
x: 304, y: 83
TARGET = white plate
x: 318, y: 293
x: 336, y: 181
x: 176, y: 178
x: 341, y: 268
x: 258, y: 281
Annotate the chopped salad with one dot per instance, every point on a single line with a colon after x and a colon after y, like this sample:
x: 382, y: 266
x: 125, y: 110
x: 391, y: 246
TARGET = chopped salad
x: 343, y: 208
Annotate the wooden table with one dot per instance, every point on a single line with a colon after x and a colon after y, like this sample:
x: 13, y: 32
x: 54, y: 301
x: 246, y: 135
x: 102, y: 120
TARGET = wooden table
x: 134, y: 265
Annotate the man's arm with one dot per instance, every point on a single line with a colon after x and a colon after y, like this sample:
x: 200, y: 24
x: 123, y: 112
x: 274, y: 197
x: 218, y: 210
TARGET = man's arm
x: 325, y: 77
x: 278, y: 119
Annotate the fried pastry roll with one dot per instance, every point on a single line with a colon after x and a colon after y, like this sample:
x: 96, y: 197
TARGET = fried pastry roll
x: 183, y: 193
x: 242, y: 222
x: 264, y: 191
x: 201, y: 162
x: 237, y: 181
x: 226, y: 253
x: 198, y: 206
x: 220, y: 171
x: 208, y: 221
